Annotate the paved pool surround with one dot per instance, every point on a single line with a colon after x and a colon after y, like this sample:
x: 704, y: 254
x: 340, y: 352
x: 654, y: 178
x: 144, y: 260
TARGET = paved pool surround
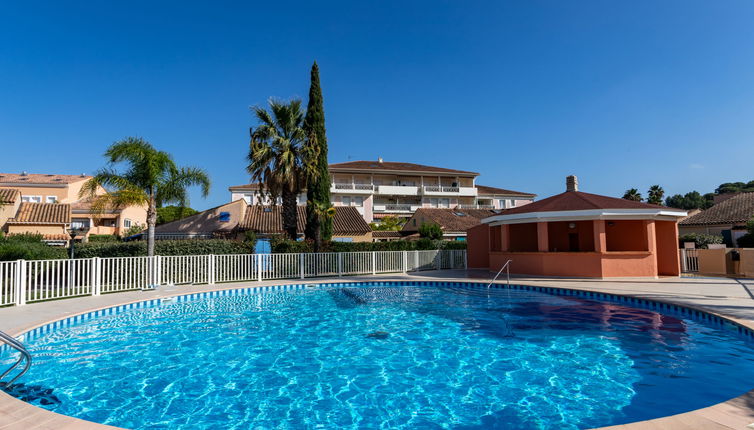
x: 721, y: 301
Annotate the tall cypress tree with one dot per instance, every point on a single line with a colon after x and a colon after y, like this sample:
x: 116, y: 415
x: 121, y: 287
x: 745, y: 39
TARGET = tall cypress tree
x: 317, y: 191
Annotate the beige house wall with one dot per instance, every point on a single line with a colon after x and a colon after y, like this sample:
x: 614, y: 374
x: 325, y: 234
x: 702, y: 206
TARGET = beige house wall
x: 8, y: 211
x: 712, y: 261
x: 362, y: 238
x: 36, y: 229
x: 207, y: 221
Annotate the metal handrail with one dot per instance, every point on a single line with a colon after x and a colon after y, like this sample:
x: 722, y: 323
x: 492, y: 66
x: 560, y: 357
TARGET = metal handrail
x: 18, y: 346
x: 505, y: 267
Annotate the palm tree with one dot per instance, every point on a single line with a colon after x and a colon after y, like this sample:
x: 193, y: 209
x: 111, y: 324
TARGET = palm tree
x: 282, y: 158
x: 656, y: 193
x: 632, y: 194
x: 151, y: 179
x: 323, y: 212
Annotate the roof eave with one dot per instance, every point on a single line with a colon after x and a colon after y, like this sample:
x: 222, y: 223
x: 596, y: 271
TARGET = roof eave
x: 581, y: 215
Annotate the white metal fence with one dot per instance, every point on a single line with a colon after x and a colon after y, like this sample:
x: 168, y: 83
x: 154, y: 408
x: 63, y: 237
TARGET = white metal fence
x: 689, y: 260
x: 25, y: 281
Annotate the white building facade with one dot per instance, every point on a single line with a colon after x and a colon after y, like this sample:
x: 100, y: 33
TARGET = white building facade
x: 381, y: 188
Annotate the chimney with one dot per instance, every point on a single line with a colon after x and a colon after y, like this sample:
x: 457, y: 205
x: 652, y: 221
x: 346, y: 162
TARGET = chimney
x: 24, y: 173
x: 379, y: 160
x: 572, y: 183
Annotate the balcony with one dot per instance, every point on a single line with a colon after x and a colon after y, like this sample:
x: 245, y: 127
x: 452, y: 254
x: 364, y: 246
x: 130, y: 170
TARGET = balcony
x: 395, y: 208
x: 443, y: 190
x: 352, y: 188
x: 476, y: 206
x: 397, y: 190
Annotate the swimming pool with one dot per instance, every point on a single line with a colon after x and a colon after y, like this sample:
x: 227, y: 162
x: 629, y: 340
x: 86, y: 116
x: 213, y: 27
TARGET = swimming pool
x: 386, y: 355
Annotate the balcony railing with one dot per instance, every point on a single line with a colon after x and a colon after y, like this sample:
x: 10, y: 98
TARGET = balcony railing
x: 368, y: 188
x: 476, y: 206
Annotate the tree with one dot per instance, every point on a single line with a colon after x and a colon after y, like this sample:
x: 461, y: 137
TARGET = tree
x: 389, y: 223
x: 632, y: 194
x: 318, y: 189
x: 656, y: 194
x: 430, y: 230
x: 323, y: 212
x: 151, y: 180
x: 689, y: 201
x: 282, y: 158
x: 172, y: 213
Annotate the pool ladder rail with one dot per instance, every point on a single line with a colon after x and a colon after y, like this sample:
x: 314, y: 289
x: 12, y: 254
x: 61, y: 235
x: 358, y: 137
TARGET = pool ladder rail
x: 25, y: 355
x: 507, y: 268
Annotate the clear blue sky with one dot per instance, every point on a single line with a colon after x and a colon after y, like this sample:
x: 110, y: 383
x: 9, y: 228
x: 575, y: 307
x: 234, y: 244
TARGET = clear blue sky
x: 621, y: 93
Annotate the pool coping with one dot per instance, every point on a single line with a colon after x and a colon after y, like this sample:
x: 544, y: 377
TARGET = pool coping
x: 735, y: 413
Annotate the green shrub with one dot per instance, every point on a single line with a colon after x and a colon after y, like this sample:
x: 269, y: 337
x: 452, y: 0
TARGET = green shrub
x: 28, y: 246
x: 163, y: 247
x: 430, y: 231
x: 23, y: 238
x: 250, y: 239
x: 103, y: 238
x: 701, y: 240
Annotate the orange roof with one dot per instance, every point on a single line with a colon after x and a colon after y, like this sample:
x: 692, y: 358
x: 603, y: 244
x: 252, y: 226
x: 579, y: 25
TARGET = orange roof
x: 485, y: 190
x: 40, y: 178
x: 577, y: 200
x: 450, y: 220
x: 269, y: 220
x: 42, y: 213
x: 390, y: 166
x: 9, y: 195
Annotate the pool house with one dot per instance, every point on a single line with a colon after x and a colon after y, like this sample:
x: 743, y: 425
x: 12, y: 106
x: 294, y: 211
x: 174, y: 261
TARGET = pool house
x: 577, y: 234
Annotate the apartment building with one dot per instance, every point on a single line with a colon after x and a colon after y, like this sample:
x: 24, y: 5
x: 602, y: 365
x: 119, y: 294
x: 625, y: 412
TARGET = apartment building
x: 59, y: 194
x: 382, y: 188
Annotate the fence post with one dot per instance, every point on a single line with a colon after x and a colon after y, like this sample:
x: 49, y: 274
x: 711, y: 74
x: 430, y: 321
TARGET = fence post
x: 95, y: 276
x: 340, y: 264
x: 465, y: 259
x: 684, y: 263
x: 20, y: 276
x: 211, y: 269
x: 301, y: 264
x: 259, y: 267
x: 452, y: 259
x: 416, y: 260
x: 405, y: 261
x: 374, y: 262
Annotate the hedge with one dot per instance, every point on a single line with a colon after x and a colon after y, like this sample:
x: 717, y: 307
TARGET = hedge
x: 163, y: 247
x: 701, y: 240
x: 285, y: 246
x: 28, y: 247
x: 103, y: 238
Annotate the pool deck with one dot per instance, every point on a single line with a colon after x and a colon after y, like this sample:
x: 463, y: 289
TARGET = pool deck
x: 730, y: 298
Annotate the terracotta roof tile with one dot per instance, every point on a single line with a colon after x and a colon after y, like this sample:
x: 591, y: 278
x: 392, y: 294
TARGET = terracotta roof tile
x: 40, y: 178
x: 577, y: 200
x: 9, y: 195
x: 450, y: 220
x: 485, y: 190
x: 269, y: 220
x: 735, y: 210
x: 391, y: 166
x: 386, y: 234
x: 42, y: 213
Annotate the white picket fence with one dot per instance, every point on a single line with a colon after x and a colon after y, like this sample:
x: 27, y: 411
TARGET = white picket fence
x: 689, y: 260
x: 29, y: 281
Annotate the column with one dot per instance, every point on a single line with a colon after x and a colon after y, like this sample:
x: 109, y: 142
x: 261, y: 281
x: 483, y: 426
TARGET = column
x: 505, y: 237
x: 600, y: 236
x: 543, y: 244
x: 651, y: 242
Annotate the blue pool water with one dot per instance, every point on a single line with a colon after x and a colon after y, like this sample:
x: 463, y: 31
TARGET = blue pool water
x: 384, y: 356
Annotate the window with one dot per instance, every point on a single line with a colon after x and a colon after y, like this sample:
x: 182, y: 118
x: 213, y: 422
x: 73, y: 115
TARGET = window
x: 433, y: 202
x: 512, y: 203
x: 358, y: 201
x: 127, y: 223
x: 444, y: 203
x: 224, y: 216
x: 52, y: 199
x: 31, y: 199
x: 346, y: 200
